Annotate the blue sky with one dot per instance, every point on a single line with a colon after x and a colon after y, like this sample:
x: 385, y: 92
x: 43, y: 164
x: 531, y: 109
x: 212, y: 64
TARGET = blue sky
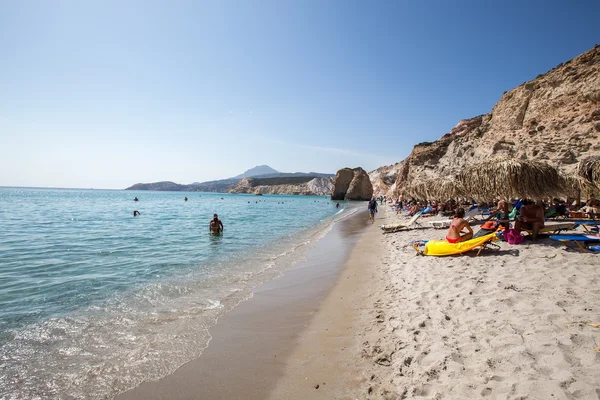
x: 106, y: 94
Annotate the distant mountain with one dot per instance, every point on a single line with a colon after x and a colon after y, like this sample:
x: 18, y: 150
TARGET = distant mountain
x: 159, y: 186
x: 257, y: 171
x: 223, y: 185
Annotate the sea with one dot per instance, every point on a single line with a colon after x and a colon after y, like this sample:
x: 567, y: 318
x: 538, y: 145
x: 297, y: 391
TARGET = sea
x: 94, y: 301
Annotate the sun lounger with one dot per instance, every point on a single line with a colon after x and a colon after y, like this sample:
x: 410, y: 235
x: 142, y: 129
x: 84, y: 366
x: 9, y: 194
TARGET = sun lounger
x: 444, y: 248
x: 581, y: 241
x: 443, y: 224
x: 555, y: 228
x: 391, y: 228
x: 471, y: 215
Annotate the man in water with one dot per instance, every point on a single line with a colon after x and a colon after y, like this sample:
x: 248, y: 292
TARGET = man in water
x: 337, y: 205
x: 136, y: 199
x: 372, y: 209
x: 216, y: 226
x: 185, y: 198
x: 136, y: 213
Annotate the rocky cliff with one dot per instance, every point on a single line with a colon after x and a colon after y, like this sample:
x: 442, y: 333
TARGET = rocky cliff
x: 352, y: 184
x: 383, y: 179
x: 292, y: 185
x: 553, y: 118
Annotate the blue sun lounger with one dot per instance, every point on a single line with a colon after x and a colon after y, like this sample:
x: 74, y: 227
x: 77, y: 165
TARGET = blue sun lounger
x: 581, y: 241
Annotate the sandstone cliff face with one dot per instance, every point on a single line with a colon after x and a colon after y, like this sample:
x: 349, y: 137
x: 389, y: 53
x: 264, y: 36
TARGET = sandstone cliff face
x: 352, y: 184
x: 316, y: 186
x: 384, y: 179
x: 554, y: 118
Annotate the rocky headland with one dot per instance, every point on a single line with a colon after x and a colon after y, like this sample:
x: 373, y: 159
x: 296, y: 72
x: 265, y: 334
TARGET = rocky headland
x: 285, y: 185
x: 554, y: 118
x: 270, y: 181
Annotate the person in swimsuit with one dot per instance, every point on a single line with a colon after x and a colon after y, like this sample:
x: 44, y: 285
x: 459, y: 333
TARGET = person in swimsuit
x: 531, y: 218
x: 592, y: 205
x: 455, y: 234
x: 216, y: 226
x: 372, y: 209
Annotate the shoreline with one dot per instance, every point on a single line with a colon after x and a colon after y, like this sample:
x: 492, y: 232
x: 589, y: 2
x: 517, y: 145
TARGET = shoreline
x: 249, y: 344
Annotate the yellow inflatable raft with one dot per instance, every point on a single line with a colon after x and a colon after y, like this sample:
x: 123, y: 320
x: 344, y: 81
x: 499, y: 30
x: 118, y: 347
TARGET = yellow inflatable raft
x: 443, y: 248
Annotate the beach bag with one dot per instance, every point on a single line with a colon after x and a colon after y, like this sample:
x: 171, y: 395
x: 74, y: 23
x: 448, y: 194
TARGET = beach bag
x: 513, y: 236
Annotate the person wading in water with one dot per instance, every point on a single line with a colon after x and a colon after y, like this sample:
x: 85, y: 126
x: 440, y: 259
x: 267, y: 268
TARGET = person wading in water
x: 216, y: 226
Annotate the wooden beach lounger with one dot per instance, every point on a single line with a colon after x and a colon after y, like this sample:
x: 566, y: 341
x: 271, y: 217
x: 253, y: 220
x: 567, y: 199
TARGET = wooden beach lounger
x: 470, y: 216
x: 555, y: 228
x: 391, y: 228
x: 444, y: 224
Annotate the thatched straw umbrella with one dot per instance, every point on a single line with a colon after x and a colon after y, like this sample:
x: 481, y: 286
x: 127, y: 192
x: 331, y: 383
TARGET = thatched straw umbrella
x: 507, y: 178
x: 589, y: 169
x: 575, y: 186
x: 435, y: 189
x: 448, y: 188
x: 421, y: 190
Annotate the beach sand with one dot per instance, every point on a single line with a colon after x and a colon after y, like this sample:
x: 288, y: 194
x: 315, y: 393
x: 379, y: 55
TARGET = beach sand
x: 510, y: 324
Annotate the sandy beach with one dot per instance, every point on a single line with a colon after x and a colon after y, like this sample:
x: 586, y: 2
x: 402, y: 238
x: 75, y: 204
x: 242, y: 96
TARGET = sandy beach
x: 510, y: 324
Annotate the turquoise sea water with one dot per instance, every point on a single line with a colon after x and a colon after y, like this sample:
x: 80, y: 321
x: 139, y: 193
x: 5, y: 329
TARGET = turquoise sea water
x: 93, y: 301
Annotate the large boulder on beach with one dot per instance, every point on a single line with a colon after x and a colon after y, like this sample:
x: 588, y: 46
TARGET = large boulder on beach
x: 352, y: 184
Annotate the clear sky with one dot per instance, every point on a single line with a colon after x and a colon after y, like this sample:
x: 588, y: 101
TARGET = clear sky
x: 105, y: 94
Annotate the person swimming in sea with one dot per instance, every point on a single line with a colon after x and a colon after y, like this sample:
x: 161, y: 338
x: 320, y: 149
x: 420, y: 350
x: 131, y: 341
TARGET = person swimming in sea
x: 136, y: 199
x: 216, y: 226
x: 185, y: 199
x: 458, y: 224
x: 136, y: 213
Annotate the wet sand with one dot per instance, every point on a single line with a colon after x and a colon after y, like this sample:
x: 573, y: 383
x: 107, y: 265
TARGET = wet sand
x: 250, y: 345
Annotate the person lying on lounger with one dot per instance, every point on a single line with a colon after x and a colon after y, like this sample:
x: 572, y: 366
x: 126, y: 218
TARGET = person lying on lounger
x: 592, y: 205
x: 414, y: 209
x: 455, y: 233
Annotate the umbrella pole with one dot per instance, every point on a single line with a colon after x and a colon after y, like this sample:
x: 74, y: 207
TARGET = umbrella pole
x: 507, y: 222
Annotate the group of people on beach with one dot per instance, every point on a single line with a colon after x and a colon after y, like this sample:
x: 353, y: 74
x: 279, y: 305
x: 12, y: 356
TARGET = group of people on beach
x: 528, y: 215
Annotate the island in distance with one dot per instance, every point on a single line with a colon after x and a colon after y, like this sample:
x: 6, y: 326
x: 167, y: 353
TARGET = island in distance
x: 261, y: 179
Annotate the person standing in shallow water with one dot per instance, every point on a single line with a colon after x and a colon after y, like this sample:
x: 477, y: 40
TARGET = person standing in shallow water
x: 216, y: 226
x: 372, y: 209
